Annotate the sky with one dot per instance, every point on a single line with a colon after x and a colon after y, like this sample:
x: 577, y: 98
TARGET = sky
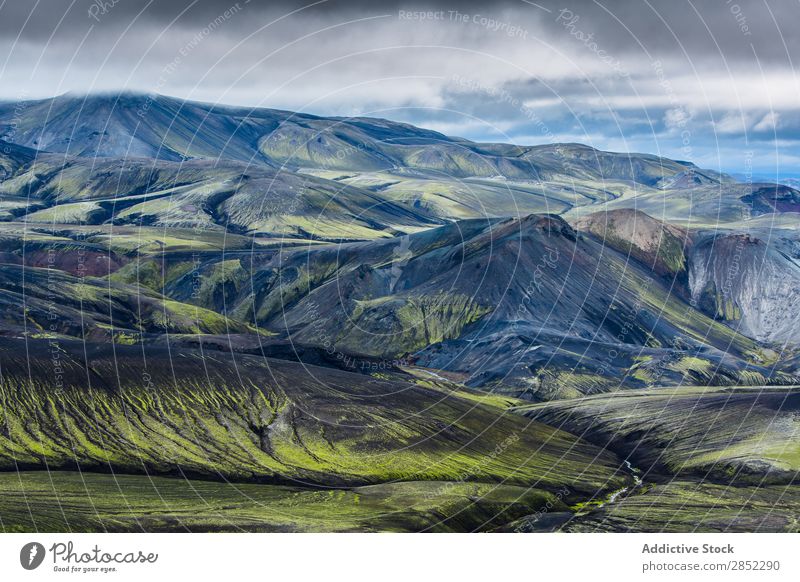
x: 711, y: 82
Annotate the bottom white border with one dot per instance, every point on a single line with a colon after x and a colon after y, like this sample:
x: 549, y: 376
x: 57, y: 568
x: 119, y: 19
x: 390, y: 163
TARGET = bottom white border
x: 379, y: 557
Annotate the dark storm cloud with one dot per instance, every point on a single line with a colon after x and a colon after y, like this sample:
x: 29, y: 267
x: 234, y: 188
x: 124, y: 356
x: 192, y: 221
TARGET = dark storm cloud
x: 724, y: 31
x: 726, y: 27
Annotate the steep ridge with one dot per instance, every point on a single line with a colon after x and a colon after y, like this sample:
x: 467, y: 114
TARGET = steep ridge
x: 748, y: 283
x: 657, y: 244
x: 529, y: 306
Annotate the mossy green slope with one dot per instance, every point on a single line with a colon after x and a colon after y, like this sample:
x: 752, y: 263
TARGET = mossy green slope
x: 252, y: 419
x: 87, y: 502
x: 658, y: 245
x: 685, y: 506
x: 48, y: 301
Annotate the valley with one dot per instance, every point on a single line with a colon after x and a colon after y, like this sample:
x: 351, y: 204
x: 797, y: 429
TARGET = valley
x: 230, y: 319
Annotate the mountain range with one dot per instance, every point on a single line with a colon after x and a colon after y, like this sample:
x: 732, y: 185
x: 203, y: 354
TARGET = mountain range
x: 310, y: 275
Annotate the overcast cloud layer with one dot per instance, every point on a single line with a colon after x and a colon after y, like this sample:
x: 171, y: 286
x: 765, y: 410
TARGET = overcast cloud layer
x: 709, y: 82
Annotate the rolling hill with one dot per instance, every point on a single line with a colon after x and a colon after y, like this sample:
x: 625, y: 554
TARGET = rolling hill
x: 158, y: 127
x: 355, y: 324
x: 303, y: 432
x: 133, y: 158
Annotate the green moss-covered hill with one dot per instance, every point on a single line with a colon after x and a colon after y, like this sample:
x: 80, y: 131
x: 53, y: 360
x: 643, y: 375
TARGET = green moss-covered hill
x: 87, y: 502
x: 251, y: 419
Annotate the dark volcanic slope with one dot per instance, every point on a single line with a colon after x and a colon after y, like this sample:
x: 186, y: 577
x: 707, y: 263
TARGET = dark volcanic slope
x: 252, y: 419
x: 529, y: 303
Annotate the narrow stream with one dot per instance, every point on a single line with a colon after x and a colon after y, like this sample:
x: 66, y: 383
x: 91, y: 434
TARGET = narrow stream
x: 637, y: 483
x: 614, y: 495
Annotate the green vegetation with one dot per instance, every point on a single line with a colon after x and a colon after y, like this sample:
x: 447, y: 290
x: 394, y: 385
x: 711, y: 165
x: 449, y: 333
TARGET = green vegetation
x: 414, y: 322
x: 183, y: 318
x: 101, y: 309
x: 148, y: 277
x: 684, y: 506
x: 435, y: 381
x: 90, y: 502
x: 250, y: 419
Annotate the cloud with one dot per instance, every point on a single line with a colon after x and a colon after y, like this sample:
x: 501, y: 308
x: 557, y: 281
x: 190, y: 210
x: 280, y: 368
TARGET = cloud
x: 676, y: 118
x: 768, y: 123
x: 731, y: 124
